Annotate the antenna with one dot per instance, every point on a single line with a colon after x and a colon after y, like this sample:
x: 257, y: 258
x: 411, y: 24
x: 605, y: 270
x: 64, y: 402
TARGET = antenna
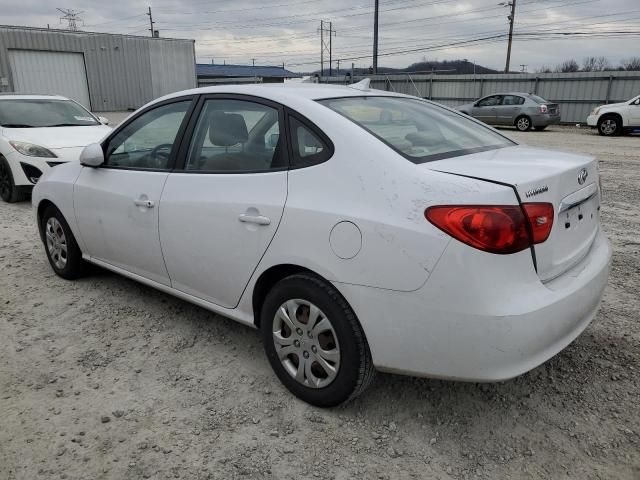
x: 71, y: 16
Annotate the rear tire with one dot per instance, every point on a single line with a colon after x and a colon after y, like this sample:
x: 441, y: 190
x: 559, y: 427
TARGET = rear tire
x: 609, y: 125
x: 9, y: 192
x: 60, y: 245
x: 523, y: 123
x: 325, y: 364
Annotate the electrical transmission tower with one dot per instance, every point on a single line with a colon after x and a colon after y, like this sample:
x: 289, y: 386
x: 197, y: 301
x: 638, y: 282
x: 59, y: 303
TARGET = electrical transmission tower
x: 326, y: 45
x: 72, y: 17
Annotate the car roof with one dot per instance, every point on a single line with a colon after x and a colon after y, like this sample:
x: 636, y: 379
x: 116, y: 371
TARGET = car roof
x: 288, y: 90
x: 30, y: 96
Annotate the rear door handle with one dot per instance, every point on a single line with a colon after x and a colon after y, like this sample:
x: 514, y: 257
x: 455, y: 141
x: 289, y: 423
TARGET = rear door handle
x: 144, y: 203
x: 257, y: 219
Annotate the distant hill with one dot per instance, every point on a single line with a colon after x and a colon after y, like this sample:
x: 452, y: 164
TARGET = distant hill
x: 449, y: 67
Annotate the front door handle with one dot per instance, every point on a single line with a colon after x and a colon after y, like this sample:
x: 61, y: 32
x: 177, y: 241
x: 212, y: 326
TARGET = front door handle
x: 144, y: 203
x: 257, y: 219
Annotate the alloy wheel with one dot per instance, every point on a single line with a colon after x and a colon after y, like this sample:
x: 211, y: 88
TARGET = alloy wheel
x: 523, y: 123
x: 306, y: 343
x: 608, y: 126
x: 56, y: 243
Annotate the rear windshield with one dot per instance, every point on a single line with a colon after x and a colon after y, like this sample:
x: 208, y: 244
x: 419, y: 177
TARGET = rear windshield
x: 32, y: 113
x: 538, y: 99
x: 420, y: 131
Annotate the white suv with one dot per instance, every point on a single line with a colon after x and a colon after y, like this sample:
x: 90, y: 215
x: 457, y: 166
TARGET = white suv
x: 615, y: 118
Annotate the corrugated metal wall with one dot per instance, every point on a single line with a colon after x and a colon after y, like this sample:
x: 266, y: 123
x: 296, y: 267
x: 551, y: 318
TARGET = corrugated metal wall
x: 577, y: 93
x: 123, y: 72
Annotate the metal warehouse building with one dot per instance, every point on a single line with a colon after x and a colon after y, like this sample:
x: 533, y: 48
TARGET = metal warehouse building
x: 103, y: 72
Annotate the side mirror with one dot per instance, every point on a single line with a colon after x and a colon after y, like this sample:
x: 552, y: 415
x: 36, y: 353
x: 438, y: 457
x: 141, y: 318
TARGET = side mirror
x: 103, y: 120
x: 92, y: 155
x: 273, y: 140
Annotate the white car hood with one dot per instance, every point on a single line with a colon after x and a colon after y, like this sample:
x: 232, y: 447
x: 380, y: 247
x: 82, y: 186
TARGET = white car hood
x: 612, y: 105
x: 58, y: 137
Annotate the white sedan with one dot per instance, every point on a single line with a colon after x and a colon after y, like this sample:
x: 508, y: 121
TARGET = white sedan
x: 38, y: 132
x: 360, y: 230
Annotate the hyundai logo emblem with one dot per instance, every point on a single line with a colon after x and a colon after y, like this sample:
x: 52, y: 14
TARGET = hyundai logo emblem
x: 582, y: 176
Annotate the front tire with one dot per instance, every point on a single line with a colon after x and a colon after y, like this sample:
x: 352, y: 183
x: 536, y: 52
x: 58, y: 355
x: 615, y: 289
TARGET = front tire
x: 523, y: 123
x: 9, y: 192
x: 60, y: 245
x: 609, y: 126
x: 314, y: 341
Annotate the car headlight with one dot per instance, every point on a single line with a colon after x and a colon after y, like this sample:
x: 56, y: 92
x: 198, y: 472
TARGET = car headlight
x: 32, y: 150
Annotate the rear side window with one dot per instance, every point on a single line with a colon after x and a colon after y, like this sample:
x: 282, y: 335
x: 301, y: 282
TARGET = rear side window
x: 309, y: 148
x: 512, y: 100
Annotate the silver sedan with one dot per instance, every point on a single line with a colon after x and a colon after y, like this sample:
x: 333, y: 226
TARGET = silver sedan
x: 521, y: 110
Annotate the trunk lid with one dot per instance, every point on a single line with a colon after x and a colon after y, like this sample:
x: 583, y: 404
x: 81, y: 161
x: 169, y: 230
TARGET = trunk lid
x: 553, y: 108
x: 568, y: 181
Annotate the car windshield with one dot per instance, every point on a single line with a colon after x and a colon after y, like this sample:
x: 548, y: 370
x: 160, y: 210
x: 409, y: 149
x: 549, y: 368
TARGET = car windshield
x: 35, y: 113
x: 538, y: 99
x: 418, y: 130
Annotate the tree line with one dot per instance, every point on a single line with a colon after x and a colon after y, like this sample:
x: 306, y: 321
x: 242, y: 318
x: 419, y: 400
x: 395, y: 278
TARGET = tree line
x: 591, y: 64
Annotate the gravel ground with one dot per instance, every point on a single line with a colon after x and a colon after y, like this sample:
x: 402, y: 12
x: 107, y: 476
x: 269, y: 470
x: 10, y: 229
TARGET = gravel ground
x: 106, y: 378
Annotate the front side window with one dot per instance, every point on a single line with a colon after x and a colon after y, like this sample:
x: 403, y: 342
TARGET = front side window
x: 236, y: 136
x: 491, y: 101
x: 148, y: 141
x: 418, y: 130
x: 37, y: 113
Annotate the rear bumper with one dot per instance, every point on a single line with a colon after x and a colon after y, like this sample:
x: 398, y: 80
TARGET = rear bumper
x: 481, y: 317
x: 543, y: 120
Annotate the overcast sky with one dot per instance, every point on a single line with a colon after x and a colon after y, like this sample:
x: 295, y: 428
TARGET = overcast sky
x: 277, y: 31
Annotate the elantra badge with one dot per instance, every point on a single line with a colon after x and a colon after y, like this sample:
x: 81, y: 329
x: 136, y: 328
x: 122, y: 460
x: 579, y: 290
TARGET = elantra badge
x: 582, y: 176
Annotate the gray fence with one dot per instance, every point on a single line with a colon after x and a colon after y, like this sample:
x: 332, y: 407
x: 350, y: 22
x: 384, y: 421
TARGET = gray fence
x: 577, y: 93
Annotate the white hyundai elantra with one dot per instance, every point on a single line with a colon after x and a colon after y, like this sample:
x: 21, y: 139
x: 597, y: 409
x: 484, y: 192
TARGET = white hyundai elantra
x: 358, y: 229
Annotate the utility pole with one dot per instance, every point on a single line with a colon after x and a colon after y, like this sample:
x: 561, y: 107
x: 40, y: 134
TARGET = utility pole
x: 511, y: 18
x: 72, y: 17
x: 523, y: 68
x: 375, y: 37
x: 253, y: 62
x: 338, y: 66
x: 151, y: 22
x: 326, y: 47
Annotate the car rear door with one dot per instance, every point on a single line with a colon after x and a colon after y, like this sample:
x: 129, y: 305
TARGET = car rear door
x: 117, y: 204
x: 507, y: 110
x: 221, y: 209
x: 485, y: 109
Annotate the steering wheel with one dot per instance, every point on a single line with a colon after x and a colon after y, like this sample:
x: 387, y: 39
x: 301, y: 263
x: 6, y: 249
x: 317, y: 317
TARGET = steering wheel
x: 160, y: 155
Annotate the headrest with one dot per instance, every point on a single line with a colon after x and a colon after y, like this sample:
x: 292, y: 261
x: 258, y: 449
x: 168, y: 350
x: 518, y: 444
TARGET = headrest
x: 227, y: 129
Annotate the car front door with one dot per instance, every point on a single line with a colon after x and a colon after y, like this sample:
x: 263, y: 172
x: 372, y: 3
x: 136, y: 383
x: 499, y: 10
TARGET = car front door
x: 221, y: 210
x: 485, y: 109
x: 117, y: 204
x: 507, y: 110
x: 634, y: 113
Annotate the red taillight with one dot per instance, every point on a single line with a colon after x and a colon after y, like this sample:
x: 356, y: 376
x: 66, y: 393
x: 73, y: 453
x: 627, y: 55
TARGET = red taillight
x: 540, y: 216
x: 499, y: 229
x: 543, y: 109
